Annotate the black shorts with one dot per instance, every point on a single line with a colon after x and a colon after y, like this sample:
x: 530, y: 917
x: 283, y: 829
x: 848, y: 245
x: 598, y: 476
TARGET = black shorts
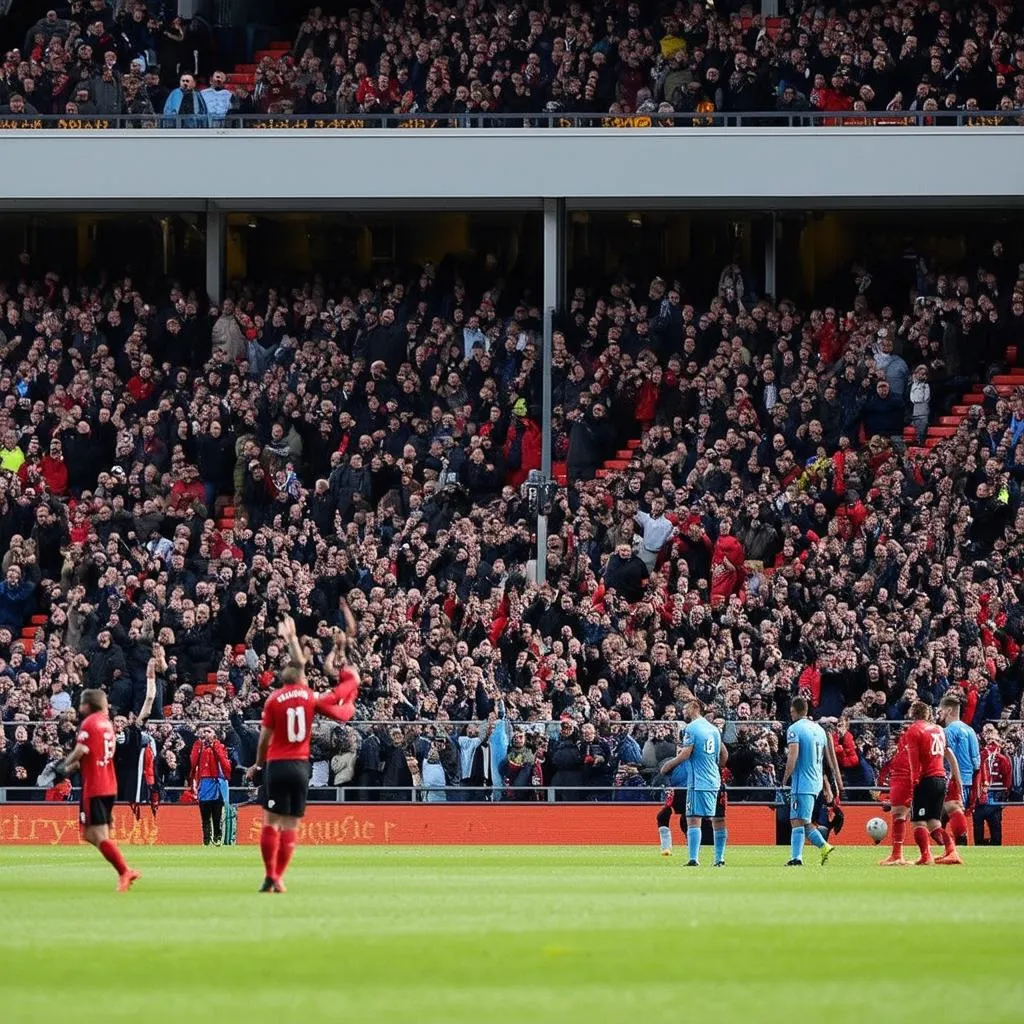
x: 721, y: 803
x: 676, y: 799
x: 929, y: 796
x: 285, y: 788
x: 820, y: 813
x: 97, y: 810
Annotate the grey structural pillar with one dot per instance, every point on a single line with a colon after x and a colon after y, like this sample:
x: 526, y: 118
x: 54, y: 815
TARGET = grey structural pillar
x: 562, y: 254
x: 554, y: 300
x: 770, y: 8
x: 216, y: 227
x: 771, y: 238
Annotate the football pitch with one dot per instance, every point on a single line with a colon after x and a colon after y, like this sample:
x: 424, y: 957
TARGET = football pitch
x: 531, y: 935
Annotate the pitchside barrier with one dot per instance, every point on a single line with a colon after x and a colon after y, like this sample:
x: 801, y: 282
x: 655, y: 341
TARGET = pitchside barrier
x: 440, y: 824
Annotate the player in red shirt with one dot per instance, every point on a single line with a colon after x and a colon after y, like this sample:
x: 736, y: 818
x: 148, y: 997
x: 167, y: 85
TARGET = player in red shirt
x: 928, y: 753
x: 283, y: 752
x: 93, y: 756
x: 896, y: 772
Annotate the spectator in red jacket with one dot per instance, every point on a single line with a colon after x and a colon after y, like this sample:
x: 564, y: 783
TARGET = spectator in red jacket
x: 208, y: 777
x: 727, y: 572
x: 55, y: 470
x: 846, y: 750
x: 188, y: 491
x: 994, y: 782
x: 522, y: 448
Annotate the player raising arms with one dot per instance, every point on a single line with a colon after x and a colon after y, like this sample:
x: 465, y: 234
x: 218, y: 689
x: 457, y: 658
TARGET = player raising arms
x: 896, y: 773
x: 808, y: 747
x: 926, y: 745
x: 963, y: 741
x: 93, y: 756
x: 702, y: 749
x: 283, y: 750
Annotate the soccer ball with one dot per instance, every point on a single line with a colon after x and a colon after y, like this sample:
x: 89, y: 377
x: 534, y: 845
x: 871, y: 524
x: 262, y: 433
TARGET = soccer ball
x: 877, y: 830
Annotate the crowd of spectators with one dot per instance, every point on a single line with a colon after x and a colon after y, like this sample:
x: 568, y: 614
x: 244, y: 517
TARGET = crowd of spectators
x: 605, y: 59
x: 627, y: 59
x: 771, y: 535
x: 84, y: 60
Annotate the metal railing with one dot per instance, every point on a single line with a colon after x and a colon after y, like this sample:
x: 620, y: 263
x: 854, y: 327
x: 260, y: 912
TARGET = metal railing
x: 555, y: 120
x: 430, y: 726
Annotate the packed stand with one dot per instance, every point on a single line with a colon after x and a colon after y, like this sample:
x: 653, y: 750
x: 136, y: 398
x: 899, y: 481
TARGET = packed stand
x: 89, y: 62
x: 771, y: 535
x: 602, y: 59
x: 607, y: 59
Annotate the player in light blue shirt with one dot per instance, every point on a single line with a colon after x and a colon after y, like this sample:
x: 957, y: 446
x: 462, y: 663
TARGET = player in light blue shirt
x: 962, y: 741
x: 702, y: 749
x: 809, y: 746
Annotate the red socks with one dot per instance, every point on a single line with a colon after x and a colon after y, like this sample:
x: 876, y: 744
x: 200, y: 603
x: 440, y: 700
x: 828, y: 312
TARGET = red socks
x: 957, y: 826
x: 269, y: 837
x: 899, y: 835
x: 942, y: 837
x: 109, y: 850
x: 277, y: 848
x: 921, y: 838
x: 289, y: 838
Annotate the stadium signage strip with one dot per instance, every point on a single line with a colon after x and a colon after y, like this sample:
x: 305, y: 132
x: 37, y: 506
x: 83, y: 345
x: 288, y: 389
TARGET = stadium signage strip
x: 502, y: 824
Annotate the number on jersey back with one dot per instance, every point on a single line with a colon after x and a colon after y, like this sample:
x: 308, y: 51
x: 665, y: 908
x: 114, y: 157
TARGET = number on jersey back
x: 289, y: 713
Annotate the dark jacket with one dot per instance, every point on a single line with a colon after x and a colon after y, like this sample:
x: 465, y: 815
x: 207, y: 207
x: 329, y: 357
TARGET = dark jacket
x: 883, y: 415
x: 626, y: 576
x: 590, y: 443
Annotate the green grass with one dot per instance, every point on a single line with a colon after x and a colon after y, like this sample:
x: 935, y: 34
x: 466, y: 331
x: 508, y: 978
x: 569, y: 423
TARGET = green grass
x: 528, y: 935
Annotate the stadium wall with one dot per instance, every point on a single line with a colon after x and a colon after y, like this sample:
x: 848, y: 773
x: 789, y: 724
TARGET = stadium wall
x: 760, y: 168
x: 427, y: 825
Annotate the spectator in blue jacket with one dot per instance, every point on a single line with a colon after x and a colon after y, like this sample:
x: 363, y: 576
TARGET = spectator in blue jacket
x: 186, y: 105
x: 17, y: 597
x: 893, y: 365
x: 217, y: 97
x: 429, y: 776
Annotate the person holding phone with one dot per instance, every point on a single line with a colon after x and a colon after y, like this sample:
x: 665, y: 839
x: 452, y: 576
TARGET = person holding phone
x: 210, y: 770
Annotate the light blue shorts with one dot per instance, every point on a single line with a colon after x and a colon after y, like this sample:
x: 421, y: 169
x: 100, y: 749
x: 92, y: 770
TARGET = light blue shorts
x: 700, y: 803
x: 801, y: 806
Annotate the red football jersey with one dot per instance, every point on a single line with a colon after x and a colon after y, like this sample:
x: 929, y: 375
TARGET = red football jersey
x: 898, y: 766
x: 926, y: 745
x: 289, y: 713
x: 97, y: 767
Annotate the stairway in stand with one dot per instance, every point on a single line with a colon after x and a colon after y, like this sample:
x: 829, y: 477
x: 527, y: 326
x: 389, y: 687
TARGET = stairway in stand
x: 622, y: 459
x: 947, y: 426
x: 245, y: 74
